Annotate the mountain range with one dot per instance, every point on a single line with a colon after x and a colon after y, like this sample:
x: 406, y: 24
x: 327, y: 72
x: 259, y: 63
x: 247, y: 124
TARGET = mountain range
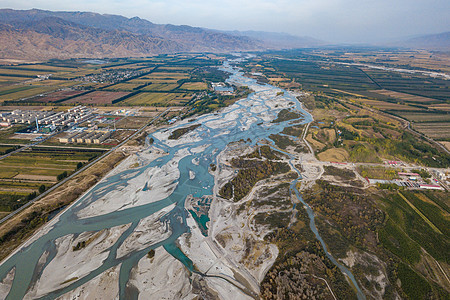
x: 40, y: 34
x: 439, y: 42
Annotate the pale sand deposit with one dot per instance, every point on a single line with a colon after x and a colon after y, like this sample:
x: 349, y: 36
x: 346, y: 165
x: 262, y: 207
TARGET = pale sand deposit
x: 69, y: 265
x: 150, y: 230
x: 103, y: 286
x: 6, y: 283
x: 161, y: 277
x: 161, y: 182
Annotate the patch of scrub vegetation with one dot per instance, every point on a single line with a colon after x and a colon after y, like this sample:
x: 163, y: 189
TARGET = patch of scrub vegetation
x: 177, y: 133
x: 250, y: 172
x: 393, y: 239
x: 301, y: 268
x: 377, y: 172
x: 266, y: 152
x: 286, y: 115
x: 282, y: 141
x: 413, y: 285
x: 343, y: 174
x: 276, y: 196
x: 273, y: 220
x: 353, y: 215
x: 293, y: 130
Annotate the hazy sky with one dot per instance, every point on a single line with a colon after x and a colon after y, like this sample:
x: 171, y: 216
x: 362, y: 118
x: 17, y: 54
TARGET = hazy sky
x: 331, y: 20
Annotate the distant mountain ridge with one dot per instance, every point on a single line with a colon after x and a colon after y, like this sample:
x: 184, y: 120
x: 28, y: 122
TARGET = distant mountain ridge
x: 279, y: 40
x: 439, y: 42
x: 40, y: 34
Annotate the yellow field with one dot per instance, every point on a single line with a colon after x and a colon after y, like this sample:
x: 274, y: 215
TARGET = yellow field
x: 330, y: 134
x: 353, y: 120
x: 81, y: 73
x: 139, y: 81
x: 13, y: 72
x: 26, y: 93
x: 278, y: 79
x: 12, y: 79
x: 194, y: 86
x: 334, y: 154
x: 348, y: 93
x: 446, y: 145
x: 55, y: 83
x: 160, y: 87
x: 166, y: 76
x: 124, y: 87
x: 50, y: 68
x: 315, y: 143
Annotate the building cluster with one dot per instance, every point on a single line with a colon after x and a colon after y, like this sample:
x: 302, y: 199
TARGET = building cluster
x: 23, y: 116
x: 70, y: 117
x: 409, y: 180
x: 112, y: 76
x: 47, y: 121
x: 86, y: 137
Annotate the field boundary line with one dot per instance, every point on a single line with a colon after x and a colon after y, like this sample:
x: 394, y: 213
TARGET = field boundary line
x: 420, y: 214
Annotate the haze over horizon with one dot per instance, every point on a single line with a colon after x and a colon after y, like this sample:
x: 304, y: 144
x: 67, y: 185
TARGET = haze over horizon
x: 334, y: 21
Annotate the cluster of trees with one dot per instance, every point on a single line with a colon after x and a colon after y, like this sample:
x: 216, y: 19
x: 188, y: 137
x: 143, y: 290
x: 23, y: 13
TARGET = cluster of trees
x: 209, y: 74
x: 9, y: 150
x: 79, y: 246
x: 286, y: 115
x: 251, y: 171
x: 356, y: 217
x: 177, y: 133
x: 62, y: 175
x: 265, y: 152
x: 347, y: 134
x: 282, y: 141
x: 301, y: 258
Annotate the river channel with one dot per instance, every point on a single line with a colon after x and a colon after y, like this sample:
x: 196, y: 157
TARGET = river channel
x: 248, y: 119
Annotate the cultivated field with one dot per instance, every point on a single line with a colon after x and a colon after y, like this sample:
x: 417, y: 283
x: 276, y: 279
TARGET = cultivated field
x: 25, y: 174
x: 24, y: 92
x: 425, y: 117
x: 160, y: 87
x: 403, y: 96
x: 98, y: 97
x: 56, y: 96
x: 438, y: 130
x: 155, y: 99
x: 124, y: 87
x: 194, y: 86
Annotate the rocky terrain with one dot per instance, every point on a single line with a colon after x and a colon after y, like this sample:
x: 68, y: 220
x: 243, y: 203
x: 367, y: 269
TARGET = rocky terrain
x: 38, y: 34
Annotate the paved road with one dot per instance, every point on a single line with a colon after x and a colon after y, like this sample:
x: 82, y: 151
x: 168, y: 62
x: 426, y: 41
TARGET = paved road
x: 80, y: 170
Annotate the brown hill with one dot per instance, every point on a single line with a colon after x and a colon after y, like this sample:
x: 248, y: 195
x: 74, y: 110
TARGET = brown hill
x: 41, y: 34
